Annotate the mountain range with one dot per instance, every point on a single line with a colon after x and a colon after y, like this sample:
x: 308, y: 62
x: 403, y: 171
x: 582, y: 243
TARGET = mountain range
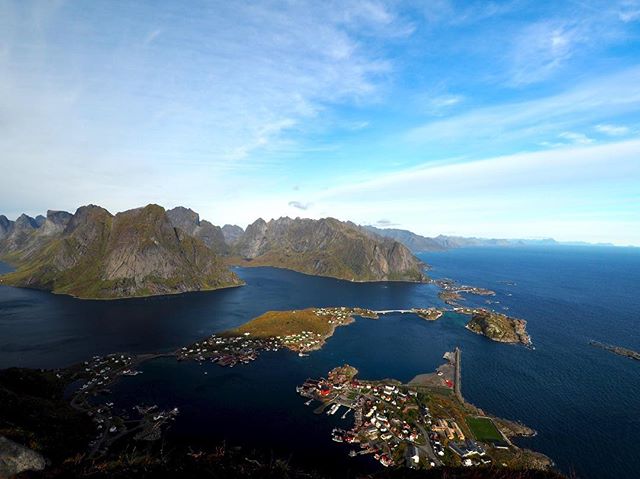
x: 94, y: 254
x: 149, y: 251
x: 417, y: 243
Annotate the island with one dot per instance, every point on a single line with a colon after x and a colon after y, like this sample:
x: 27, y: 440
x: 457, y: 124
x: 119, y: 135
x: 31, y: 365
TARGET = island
x: 301, y: 331
x: 451, y: 291
x: 423, y: 424
x: 620, y: 351
x: 497, y: 326
x: 306, y: 330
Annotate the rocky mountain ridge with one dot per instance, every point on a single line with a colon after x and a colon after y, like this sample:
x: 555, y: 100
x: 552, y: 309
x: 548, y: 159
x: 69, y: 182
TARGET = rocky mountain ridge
x: 94, y: 254
x: 148, y: 251
x: 326, y: 247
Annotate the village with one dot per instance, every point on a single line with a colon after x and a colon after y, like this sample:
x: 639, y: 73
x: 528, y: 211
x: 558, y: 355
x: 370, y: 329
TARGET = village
x: 301, y: 331
x: 418, y: 425
x: 91, y: 381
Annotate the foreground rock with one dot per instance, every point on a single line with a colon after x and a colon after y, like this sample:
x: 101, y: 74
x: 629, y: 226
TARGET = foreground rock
x: 326, y: 247
x: 15, y: 458
x: 94, y: 254
x: 498, y: 327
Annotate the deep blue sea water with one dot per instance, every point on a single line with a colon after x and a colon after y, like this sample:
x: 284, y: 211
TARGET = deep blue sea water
x: 584, y: 402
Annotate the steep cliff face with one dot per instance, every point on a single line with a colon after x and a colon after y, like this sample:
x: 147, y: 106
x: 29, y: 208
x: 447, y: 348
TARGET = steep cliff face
x: 18, y: 233
x: 232, y: 233
x: 327, y: 247
x: 135, y: 253
x: 5, y: 226
x: 189, y: 222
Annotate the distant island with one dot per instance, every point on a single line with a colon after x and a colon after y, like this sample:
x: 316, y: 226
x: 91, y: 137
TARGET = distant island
x: 620, y: 351
x: 148, y: 251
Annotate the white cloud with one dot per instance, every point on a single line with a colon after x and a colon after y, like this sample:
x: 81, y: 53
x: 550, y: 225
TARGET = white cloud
x: 577, y: 192
x: 191, y: 94
x: 536, y: 119
x: 576, y: 138
x: 612, y: 130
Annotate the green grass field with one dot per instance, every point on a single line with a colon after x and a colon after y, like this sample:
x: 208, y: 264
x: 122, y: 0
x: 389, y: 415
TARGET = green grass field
x: 283, y: 323
x: 483, y: 429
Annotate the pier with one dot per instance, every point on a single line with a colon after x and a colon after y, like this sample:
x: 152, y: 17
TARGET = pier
x: 457, y: 384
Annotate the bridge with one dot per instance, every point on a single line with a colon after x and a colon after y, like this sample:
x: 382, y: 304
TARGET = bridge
x: 401, y: 311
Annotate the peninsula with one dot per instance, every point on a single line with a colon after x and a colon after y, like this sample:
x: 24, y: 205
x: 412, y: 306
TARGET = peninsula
x: 421, y: 425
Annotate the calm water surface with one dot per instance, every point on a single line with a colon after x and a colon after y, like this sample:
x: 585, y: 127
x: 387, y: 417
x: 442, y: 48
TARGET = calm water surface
x: 584, y: 402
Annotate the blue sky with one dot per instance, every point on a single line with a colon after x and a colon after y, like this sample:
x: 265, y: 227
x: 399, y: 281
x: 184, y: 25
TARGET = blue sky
x: 495, y: 119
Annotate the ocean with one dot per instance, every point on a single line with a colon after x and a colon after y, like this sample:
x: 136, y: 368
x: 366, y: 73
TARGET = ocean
x: 583, y: 401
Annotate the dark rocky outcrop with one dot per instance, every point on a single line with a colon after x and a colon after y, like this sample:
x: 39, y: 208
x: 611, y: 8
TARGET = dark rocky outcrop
x: 327, y: 247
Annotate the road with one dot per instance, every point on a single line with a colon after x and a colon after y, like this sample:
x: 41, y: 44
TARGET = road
x: 426, y: 448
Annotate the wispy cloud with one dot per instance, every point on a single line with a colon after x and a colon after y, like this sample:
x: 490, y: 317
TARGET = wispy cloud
x: 189, y: 95
x: 612, y: 130
x: 542, y: 48
x: 629, y: 11
x: 576, y: 138
x: 535, y: 120
x: 568, y: 184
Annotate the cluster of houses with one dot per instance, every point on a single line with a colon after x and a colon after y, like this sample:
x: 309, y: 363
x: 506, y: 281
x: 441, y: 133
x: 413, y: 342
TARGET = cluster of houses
x: 98, y: 373
x: 102, y: 370
x: 391, y: 421
x: 382, y: 425
x: 228, y: 350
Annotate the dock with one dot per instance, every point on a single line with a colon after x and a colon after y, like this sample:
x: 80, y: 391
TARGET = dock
x: 457, y: 384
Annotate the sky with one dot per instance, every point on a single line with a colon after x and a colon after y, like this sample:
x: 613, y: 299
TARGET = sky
x: 513, y: 119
